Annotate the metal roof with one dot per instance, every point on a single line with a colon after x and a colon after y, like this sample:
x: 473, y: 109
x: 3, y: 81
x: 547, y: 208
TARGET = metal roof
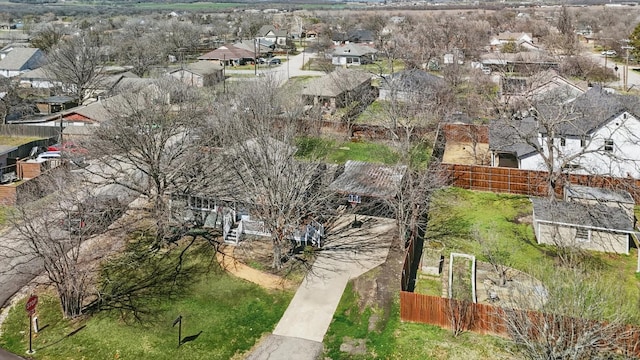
x: 368, y: 179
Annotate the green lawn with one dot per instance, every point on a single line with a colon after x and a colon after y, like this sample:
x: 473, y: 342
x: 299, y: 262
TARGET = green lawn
x: 456, y: 213
x: 226, y: 313
x: 339, y: 152
x: 389, y: 338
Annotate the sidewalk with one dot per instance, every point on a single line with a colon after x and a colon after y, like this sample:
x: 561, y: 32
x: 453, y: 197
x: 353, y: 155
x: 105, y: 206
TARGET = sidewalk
x: 349, y: 253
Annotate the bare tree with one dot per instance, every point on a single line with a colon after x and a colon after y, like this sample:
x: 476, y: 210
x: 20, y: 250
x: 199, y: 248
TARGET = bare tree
x: 77, y: 64
x: 259, y: 170
x: 54, y: 230
x: 572, y: 322
x: 494, y: 252
x: 558, y: 131
x: 150, y: 144
x: 141, y: 45
x: 46, y: 36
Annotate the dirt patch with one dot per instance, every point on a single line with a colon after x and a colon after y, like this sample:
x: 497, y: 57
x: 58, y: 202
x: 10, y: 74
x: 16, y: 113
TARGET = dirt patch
x: 228, y: 261
x: 463, y: 153
x: 519, y: 289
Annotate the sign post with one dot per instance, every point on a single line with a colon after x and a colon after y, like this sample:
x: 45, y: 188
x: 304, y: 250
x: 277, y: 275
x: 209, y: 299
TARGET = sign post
x: 31, y: 309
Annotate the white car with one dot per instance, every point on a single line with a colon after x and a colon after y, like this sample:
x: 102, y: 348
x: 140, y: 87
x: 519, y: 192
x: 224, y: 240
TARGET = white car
x: 609, y: 53
x: 47, y: 155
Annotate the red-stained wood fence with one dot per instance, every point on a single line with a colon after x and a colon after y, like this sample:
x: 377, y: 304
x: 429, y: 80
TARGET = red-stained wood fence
x: 489, y: 319
x: 527, y: 182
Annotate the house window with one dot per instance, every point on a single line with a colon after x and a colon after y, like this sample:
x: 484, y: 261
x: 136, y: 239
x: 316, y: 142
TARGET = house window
x: 582, y: 234
x: 583, y: 141
x: 608, y: 145
x: 563, y: 141
x: 349, y: 60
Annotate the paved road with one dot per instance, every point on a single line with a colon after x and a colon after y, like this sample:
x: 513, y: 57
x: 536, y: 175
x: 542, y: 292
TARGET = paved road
x: 18, y: 267
x: 4, y: 355
x: 282, y: 73
x: 349, y: 253
x: 634, y: 76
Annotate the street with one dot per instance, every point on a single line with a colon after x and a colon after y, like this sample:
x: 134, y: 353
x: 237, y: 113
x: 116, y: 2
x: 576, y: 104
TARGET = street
x: 609, y: 62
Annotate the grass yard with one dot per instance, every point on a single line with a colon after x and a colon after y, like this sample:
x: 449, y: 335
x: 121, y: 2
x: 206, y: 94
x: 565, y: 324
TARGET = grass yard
x: 224, y: 316
x: 457, y: 213
x: 339, y: 152
x: 388, y: 338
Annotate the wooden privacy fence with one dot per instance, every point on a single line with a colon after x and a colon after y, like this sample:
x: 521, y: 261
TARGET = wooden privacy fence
x: 527, y: 182
x: 489, y: 319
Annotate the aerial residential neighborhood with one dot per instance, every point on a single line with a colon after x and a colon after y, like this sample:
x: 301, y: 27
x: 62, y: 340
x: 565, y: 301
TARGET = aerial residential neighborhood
x: 324, y: 180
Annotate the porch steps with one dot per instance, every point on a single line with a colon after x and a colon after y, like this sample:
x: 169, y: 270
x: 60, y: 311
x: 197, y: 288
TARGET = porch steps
x: 232, y: 236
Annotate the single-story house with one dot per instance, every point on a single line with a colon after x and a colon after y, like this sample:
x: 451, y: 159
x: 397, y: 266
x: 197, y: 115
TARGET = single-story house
x: 199, y: 74
x: 520, y: 62
x: 524, y: 40
x: 339, y: 88
x: 19, y: 60
x: 41, y: 78
x: 539, y: 86
x: 410, y: 85
x: 260, y: 47
x: 597, y: 227
x: 229, y: 55
x: 353, y: 54
x: 357, y: 36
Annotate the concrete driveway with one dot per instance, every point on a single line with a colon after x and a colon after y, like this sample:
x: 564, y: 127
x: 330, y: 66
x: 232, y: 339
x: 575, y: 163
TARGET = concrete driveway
x: 349, y: 252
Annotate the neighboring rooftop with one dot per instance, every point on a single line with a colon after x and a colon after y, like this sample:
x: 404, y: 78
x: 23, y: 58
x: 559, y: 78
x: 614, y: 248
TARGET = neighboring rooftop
x: 17, y: 58
x: 598, y: 216
x: 368, y: 179
x: 598, y: 194
x: 504, y: 137
x: 336, y: 82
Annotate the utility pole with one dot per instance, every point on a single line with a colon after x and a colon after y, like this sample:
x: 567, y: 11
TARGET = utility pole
x: 255, y: 57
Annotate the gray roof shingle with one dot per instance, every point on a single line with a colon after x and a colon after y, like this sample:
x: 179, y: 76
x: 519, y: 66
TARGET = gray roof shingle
x: 18, y: 59
x: 582, y: 215
x: 336, y: 82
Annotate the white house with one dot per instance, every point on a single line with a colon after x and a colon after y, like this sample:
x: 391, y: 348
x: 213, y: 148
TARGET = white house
x: 598, y: 133
x: 270, y: 33
x: 19, y: 60
x: 524, y: 40
x: 353, y: 54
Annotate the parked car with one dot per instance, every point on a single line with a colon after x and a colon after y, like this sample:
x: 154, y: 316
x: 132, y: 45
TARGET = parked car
x: 609, y: 53
x: 68, y: 147
x: 275, y: 61
x: 47, y: 155
x: 93, y: 216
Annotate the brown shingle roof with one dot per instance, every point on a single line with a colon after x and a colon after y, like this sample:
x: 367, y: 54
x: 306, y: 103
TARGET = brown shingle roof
x: 227, y: 52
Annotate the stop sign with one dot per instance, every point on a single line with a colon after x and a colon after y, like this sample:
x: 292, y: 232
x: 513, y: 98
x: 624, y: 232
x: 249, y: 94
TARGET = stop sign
x: 31, y: 304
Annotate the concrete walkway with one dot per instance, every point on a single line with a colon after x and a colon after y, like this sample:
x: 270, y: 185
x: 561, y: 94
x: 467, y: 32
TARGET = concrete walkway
x: 349, y: 252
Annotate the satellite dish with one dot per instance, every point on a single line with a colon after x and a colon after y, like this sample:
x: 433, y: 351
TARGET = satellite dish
x: 33, y: 152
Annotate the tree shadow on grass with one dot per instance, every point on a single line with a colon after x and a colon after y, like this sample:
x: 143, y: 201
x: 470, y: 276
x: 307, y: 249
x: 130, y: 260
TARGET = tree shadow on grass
x: 139, y: 281
x: 64, y: 337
